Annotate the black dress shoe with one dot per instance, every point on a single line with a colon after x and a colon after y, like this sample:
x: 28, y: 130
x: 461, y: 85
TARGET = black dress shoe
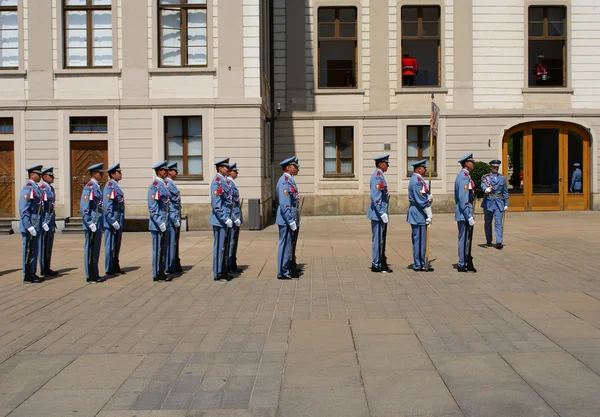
x: 375, y: 269
x: 425, y: 269
x: 499, y: 245
x: 284, y: 277
x: 387, y: 270
x: 161, y: 277
x: 169, y: 278
x: 34, y: 280
x: 225, y: 277
x: 462, y: 269
x: 40, y: 279
x: 488, y: 244
x: 50, y: 273
x: 121, y: 272
x: 471, y: 269
x: 101, y: 279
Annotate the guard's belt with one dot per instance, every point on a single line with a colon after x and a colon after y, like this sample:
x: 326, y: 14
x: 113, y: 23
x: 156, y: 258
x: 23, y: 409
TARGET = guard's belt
x: 495, y: 195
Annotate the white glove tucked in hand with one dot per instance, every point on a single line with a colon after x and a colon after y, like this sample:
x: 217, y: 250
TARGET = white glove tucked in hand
x: 293, y: 226
x: 488, y: 190
x: 32, y: 231
x: 385, y: 218
x: 505, y: 208
x: 429, y: 214
x: 471, y: 221
x: 93, y: 227
x: 116, y: 225
x: 177, y: 223
x: 237, y: 222
x: 229, y: 223
x: 430, y: 198
x: 162, y: 227
x: 45, y: 227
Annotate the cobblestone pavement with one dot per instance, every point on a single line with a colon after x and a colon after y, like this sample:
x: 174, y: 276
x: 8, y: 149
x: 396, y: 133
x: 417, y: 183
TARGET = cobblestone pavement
x: 519, y: 338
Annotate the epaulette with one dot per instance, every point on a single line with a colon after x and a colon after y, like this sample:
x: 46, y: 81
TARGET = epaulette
x: 89, y: 184
x: 110, y: 184
x: 419, y: 179
x: 466, y: 175
x: 217, y: 179
x: 154, y: 183
x: 29, y: 184
x: 378, y: 174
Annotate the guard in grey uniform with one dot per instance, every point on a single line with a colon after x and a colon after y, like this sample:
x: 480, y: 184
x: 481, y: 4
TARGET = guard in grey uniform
x: 287, y: 194
x: 158, y: 208
x: 30, y: 212
x: 378, y: 212
x: 419, y: 214
x: 91, y: 206
x: 114, y: 220
x: 237, y: 218
x: 464, y: 195
x: 576, y: 179
x: 221, y: 216
x: 173, y: 261
x: 495, y: 202
x: 48, y: 226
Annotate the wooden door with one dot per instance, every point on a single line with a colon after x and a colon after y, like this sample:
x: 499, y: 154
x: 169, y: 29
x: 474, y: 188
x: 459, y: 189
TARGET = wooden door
x: 7, y: 179
x: 83, y: 155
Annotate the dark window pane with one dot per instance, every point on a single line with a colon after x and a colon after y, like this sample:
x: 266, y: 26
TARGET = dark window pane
x: 556, y: 13
x: 346, y: 134
x: 410, y: 14
x: 545, y: 161
x: 410, y: 29
x: 347, y: 15
x: 536, y: 14
x: 555, y: 28
x: 326, y: 15
x: 536, y: 29
x: 347, y: 30
x: 326, y: 30
x: 431, y: 13
x: 430, y: 29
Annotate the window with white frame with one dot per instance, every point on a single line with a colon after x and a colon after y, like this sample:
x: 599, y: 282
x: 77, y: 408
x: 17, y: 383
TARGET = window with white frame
x: 87, y: 33
x: 183, y: 140
x: 9, y: 34
x: 183, y: 33
x: 338, y: 152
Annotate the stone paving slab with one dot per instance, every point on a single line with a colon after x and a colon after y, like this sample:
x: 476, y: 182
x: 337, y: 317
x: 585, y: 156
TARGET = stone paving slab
x: 341, y: 340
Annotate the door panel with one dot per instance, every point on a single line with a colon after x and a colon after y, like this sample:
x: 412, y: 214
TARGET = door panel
x: 577, y: 150
x: 7, y: 179
x: 83, y: 155
x: 546, y: 180
x: 514, y: 153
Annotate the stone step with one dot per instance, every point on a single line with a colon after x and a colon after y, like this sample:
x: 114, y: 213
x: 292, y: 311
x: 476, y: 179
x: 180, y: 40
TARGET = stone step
x: 6, y: 226
x: 73, y: 225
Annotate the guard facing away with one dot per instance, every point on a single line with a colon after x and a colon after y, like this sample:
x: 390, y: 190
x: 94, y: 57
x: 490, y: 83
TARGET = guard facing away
x: 114, y: 219
x: 48, y: 225
x: 91, y: 206
x: 419, y: 214
x: 158, y: 208
x: 576, y: 179
x: 221, y: 220
x: 237, y: 219
x: 30, y: 212
x: 378, y: 214
x: 173, y: 261
x: 495, y: 203
x: 287, y: 215
x: 464, y: 195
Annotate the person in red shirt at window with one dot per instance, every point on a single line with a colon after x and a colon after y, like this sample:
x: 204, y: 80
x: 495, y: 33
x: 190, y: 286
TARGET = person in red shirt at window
x: 540, y: 70
x: 410, y: 68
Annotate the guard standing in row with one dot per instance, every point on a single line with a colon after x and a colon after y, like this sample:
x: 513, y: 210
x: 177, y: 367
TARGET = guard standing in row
x: 287, y: 193
x: 378, y: 212
x: 91, y: 206
x: 237, y: 218
x: 495, y: 202
x: 419, y: 214
x: 114, y: 220
x: 576, y: 179
x: 158, y: 208
x: 30, y: 212
x: 221, y: 215
x: 464, y: 195
x: 48, y: 226
x: 173, y: 261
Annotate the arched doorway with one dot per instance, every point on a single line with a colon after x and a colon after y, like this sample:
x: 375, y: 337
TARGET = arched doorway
x: 539, y: 163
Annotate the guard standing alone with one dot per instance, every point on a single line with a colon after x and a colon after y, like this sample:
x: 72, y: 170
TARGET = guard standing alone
x: 30, y: 212
x: 576, y: 179
x: 464, y: 195
x: 91, y: 207
x: 287, y: 194
x: 221, y: 217
x: 419, y: 214
x: 173, y: 261
x: 495, y: 202
x: 158, y: 208
x: 48, y: 220
x: 237, y: 218
x: 114, y: 220
x: 378, y: 212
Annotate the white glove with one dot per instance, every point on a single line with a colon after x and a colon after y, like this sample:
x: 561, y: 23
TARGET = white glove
x: 229, y: 223
x: 116, y: 225
x: 385, y: 218
x: 505, y: 208
x: 471, y: 221
x: 32, y: 231
x: 488, y: 190
x: 430, y: 198
x: 237, y: 222
x: 177, y: 223
x: 429, y: 214
x: 293, y: 226
x: 45, y: 227
x: 93, y: 227
x: 162, y: 227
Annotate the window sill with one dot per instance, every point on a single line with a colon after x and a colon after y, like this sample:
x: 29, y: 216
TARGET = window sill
x: 6, y: 73
x: 421, y: 90
x: 182, y: 70
x: 548, y: 90
x: 64, y: 72
x: 190, y: 178
x: 338, y: 91
x: 339, y: 178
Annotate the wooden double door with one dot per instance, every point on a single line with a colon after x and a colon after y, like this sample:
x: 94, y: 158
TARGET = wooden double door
x: 7, y: 179
x: 83, y: 155
x: 539, y: 164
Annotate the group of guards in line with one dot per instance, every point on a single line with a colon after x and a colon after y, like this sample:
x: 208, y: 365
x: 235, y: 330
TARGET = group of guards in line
x: 420, y: 216
x: 104, y: 210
